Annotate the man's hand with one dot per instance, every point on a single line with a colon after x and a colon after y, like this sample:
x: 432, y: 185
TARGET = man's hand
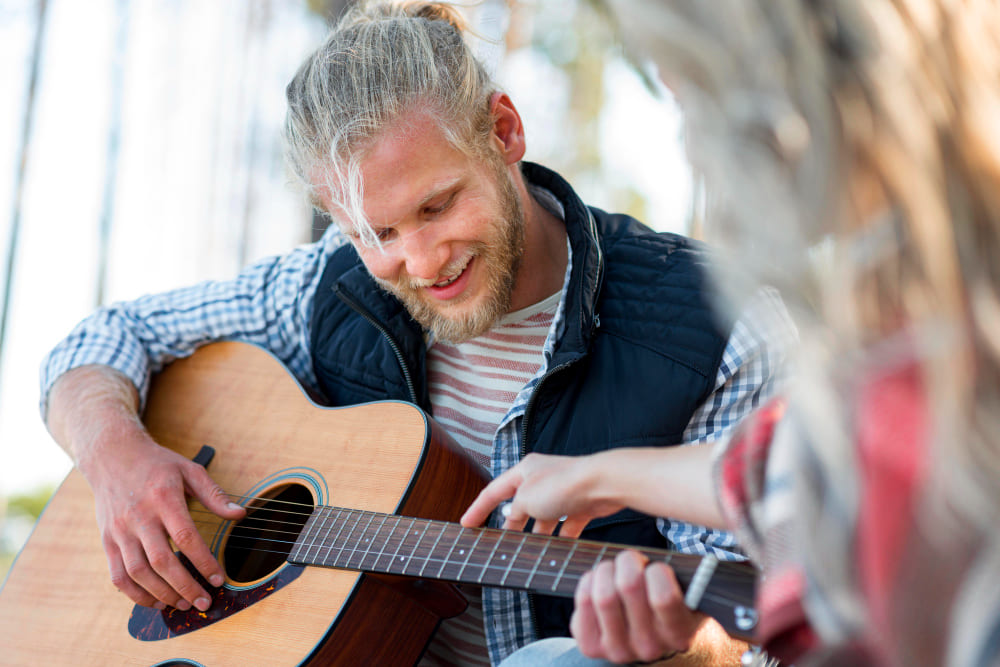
x: 627, y: 610
x: 630, y: 610
x: 140, y: 490
x: 547, y: 489
x: 141, y: 506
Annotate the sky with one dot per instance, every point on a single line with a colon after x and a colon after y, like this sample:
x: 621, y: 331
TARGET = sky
x: 186, y: 175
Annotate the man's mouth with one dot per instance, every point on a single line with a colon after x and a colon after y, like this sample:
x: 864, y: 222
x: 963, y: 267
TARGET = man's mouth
x: 454, y: 273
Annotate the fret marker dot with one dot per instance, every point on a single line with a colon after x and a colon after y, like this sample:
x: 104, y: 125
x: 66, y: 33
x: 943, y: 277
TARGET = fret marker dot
x: 552, y: 563
x: 461, y: 552
x: 402, y: 558
x: 503, y: 556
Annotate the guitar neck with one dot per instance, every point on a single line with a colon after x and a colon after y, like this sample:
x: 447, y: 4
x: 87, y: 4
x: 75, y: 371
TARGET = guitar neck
x: 389, y: 544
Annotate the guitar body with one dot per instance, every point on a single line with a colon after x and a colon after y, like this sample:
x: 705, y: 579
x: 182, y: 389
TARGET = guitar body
x: 58, y: 606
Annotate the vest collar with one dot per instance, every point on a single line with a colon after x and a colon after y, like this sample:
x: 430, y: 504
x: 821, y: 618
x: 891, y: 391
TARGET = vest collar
x: 587, y: 273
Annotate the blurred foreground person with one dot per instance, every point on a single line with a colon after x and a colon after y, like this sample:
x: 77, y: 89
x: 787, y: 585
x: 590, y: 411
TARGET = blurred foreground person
x: 851, y: 152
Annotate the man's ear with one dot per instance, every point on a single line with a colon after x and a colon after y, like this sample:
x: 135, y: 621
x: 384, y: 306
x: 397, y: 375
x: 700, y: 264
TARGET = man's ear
x: 508, y: 131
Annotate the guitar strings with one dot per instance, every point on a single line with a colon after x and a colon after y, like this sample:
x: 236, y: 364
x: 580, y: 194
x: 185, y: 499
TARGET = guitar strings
x: 720, y: 580
x: 721, y: 577
x: 289, y: 508
x: 570, y: 574
x: 296, y: 528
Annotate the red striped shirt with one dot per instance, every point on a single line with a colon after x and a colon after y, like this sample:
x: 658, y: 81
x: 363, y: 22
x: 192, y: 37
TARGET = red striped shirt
x: 472, y: 387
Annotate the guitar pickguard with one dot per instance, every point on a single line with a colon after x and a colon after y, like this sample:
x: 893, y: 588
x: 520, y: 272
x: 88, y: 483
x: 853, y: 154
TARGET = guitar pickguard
x: 147, y: 624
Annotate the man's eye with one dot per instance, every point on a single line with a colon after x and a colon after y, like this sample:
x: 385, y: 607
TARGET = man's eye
x: 439, y: 208
x: 385, y: 234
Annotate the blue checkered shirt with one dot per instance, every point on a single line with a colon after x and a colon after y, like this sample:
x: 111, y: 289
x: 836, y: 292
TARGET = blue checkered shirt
x: 270, y: 304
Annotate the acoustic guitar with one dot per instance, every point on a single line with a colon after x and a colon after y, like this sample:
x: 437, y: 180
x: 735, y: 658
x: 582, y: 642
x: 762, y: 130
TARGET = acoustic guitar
x: 343, y: 555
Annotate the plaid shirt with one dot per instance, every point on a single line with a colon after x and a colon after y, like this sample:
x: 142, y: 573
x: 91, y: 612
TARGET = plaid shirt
x: 270, y: 304
x: 838, y: 497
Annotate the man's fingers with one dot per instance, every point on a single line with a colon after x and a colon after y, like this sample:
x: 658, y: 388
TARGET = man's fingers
x: 544, y: 527
x: 675, y: 623
x: 497, y: 491
x: 583, y: 625
x: 573, y: 526
x: 514, y: 518
x: 123, y: 582
x: 630, y: 581
x: 185, y: 535
x: 141, y: 568
x: 200, y: 485
x: 610, y: 614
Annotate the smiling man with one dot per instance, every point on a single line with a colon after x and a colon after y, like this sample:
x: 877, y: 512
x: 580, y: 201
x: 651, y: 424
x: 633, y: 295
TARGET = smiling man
x: 455, y: 276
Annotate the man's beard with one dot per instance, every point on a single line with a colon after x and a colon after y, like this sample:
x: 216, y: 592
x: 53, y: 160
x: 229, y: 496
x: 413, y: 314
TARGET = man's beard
x: 500, y: 256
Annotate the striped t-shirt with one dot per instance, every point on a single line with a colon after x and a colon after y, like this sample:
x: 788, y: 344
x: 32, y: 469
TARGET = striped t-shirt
x: 472, y: 387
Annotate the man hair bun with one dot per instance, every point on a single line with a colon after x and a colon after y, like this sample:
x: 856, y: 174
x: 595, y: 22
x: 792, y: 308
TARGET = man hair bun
x: 435, y: 11
x: 376, y: 10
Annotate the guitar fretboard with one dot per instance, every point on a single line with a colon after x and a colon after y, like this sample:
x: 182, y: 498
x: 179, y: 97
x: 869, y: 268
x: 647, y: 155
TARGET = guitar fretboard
x: 390, y: 544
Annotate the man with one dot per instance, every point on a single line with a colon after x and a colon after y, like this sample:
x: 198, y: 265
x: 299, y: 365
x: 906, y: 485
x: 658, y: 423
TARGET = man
x: 470, y: 283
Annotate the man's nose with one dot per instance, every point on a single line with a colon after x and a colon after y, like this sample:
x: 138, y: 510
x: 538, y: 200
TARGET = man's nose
x: 423, y: 253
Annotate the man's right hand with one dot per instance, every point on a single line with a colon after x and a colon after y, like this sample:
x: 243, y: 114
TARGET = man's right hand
x: 140, y: 490
x: 141, y: 507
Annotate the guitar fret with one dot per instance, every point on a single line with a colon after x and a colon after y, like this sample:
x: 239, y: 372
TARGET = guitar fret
x: 513, y: 559
x: 345, y: 545
x: 306, y: 537
x: 566, y: 562
x: 413, y: 553
x: 400, y: 546
x: 357, y: 550
x: 317, y: 539
x: 541, y: 557
x: 489, y: 559
x: 331, y: 543
x: 371, y: 541
x: 472, y: 550
x: 384, y: 542
x: 303, y: 538
x: 447, y: 559
x: 433, y: 548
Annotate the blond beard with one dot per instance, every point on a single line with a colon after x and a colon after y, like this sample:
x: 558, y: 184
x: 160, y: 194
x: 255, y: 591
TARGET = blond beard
x: 500, y: 255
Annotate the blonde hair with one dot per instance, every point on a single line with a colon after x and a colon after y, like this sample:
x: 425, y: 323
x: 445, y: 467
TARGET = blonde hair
x: 851, y: 149
x: 382, y: 61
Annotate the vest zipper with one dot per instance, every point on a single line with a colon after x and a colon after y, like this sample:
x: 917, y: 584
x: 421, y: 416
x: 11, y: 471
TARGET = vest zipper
x: 388, y: 336
x: 531, y: 403
x: 532, y: 611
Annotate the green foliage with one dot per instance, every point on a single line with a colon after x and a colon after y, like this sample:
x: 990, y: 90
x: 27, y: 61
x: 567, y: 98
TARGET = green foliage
x: 30, y: 504
x: 22, y: 510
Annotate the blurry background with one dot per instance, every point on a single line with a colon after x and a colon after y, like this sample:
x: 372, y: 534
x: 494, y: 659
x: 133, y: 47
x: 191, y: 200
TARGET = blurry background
x: 140, y: 150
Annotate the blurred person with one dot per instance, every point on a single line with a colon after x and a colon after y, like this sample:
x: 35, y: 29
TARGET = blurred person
x: 851, y: 152
x: 456, y: 276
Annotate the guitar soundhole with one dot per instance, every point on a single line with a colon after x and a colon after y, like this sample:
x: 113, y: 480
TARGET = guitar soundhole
x: 260, y: 543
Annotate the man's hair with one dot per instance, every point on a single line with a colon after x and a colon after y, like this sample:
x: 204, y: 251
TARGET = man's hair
x: 382, y: 61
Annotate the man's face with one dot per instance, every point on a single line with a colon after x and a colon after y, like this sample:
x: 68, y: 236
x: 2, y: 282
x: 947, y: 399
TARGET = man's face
x: 451, y: 230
